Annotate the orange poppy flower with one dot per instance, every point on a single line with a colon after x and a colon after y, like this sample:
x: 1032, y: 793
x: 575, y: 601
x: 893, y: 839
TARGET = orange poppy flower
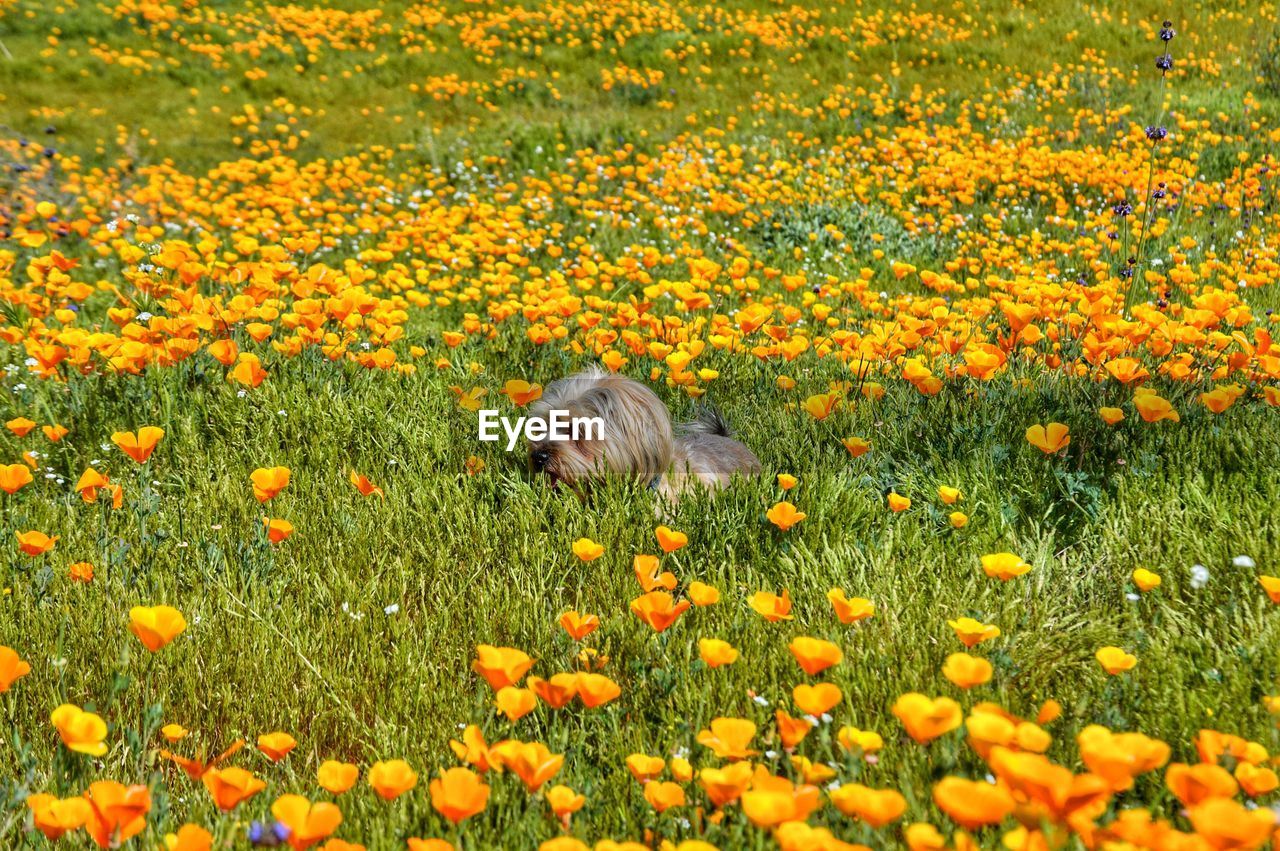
x: 564, y: 802
x: 1119, y: 757
x: 521, y: 393
x: 784, y: 516
x: 12, y: 668
x: 1004, y: 566
x: 55, y: 817
x: 117, y: 812
x: 948, y: 495
x: 81, y: 571
x: 1115, y: 661
x: 1195, y: 784
x: 897, y: 502
x: 13, y: 477
x: 1145, y: 579
x: 139, y: 445
x: 308, y: 823
x: 876, y: 807
x: 89, y: 483
x: 35, y: 543
x: 555, y: 692
x: 857, y: 446
x: 646, y: 570
x: 773, y: 800
x: 156, y: 626
x: 224, y: 351
x: 1111, y: 416
x: 248, y: 371
x: 924, y: 837
x: 821, y: 405
x: 579, y: 626
x: 770, y: 606
x: 972, y: 632
x: 20, y: 426
x: 1153, y: 408
x: 729, y: 738
x: 515, y: 702
x: 791, y: 730
x: 725, y: 785
x: 715, y: 653
x: 786, y: 481
x: 644, y: 767
x: 197, y: 768
x: 670, y: 540
x: 501, y: 666
x: 174, y: 732
x: 966, y: 671
x: 472, y: 749
x: 850, y: 611
x: 268, y: 482
x: 191, y: 837
x: 1225, y: 823
x: 276, y: 746
x: 853, y: 739
x: 392, y: 779
x: 816, y: 699
x: 1050, y: 438
x: 366, y: 487
x: 278, y: 531
x: 958, y: 519
x: 1256, y: 781
x: 531, y: 762
x: 587, y: 549
x: 662, y: 796
x: 596, y: 689
x: 701, y: 594
x: 336, y: 777
x: 972, y: 804
x: 658, y: 610
x: 229, y: 787
x: 82, y: 732
x: 814, y: 655
x: 416, y: 844
x: 458, y: 794
x: 926, y: 719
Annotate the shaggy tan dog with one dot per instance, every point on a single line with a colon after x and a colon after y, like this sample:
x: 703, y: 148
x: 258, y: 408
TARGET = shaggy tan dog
x: 638, y: 440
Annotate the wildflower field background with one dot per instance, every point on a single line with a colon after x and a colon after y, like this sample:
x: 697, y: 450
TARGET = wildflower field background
x: 987, y: 286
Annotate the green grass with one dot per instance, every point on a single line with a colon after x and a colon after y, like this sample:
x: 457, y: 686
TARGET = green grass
x: 295, y: 637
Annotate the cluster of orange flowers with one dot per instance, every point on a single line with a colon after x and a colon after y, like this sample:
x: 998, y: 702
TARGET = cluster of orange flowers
x: 254, y: 281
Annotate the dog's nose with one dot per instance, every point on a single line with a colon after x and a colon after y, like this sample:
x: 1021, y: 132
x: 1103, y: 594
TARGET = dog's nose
x: 539, y: 457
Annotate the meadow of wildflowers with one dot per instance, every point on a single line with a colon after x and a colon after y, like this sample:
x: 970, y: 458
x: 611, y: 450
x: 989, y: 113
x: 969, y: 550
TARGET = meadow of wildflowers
x: 988, y: 287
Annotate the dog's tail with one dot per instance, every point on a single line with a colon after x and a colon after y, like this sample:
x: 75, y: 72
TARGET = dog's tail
x: 707, y: 420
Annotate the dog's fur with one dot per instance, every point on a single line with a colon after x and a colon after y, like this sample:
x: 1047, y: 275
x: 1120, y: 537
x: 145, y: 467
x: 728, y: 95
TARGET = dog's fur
x: 639, y: 441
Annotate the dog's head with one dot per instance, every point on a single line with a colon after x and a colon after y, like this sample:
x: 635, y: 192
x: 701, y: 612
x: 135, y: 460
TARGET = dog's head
x: 632, y: 435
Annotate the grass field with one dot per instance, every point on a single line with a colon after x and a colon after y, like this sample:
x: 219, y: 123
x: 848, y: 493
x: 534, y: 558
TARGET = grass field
x: 987, y: 290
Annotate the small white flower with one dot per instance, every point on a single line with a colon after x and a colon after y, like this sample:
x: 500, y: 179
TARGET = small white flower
x: 771, y: 754
x: 1199, y: 576
x: 760, y: 701
x: 392, y: 609
x: 1131, y: 597
x: 1244, y: 561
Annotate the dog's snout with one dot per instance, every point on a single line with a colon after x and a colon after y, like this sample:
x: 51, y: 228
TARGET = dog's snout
x: 539, y: 457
